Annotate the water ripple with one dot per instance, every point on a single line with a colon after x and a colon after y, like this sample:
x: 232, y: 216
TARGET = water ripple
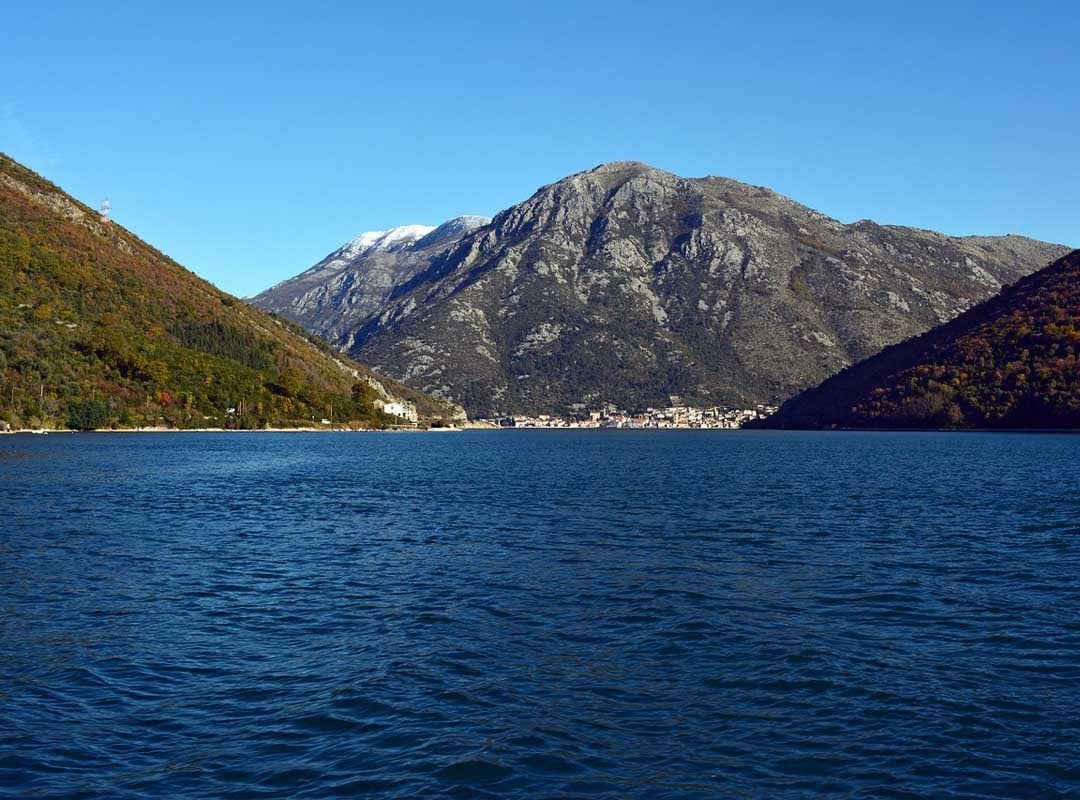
x: 521, y: 614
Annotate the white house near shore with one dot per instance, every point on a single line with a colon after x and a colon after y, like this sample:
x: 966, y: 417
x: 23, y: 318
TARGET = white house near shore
x: 397, y: 408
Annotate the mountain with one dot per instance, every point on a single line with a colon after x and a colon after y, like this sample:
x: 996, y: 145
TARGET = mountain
x: 1010, y: 362
x: 99, y: 328
x: 355, y: 280
x: 627, y: 284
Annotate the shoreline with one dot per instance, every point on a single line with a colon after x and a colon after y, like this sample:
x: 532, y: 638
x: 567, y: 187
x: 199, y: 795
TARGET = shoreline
x: 468, y: 427
x: 44, y: 431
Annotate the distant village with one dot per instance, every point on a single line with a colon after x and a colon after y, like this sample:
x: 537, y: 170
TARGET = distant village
x: 675, y: 416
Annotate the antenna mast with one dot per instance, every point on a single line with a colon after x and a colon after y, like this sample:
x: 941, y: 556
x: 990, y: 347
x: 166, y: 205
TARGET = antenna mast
x: 106, y: 207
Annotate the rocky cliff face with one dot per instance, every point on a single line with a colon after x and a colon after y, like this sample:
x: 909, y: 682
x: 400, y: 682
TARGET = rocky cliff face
x: 355, y: 280
x: 627, y: 284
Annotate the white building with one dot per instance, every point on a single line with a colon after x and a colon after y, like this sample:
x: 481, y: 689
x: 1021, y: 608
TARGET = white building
x: 397, y: 408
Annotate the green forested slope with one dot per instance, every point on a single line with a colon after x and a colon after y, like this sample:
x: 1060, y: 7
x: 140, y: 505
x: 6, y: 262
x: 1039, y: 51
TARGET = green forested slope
x: 1011, y: 362
x: 98, y: 328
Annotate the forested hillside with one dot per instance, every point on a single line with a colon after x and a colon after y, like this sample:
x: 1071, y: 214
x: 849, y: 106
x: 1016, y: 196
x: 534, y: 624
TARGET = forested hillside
x: 98, y: 329
x: 1011, y: 362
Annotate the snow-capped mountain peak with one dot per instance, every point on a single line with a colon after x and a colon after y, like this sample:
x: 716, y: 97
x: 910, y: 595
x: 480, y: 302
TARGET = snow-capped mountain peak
x: 470, y: 221
x: 451, y: 230
x: 399, y: 241
x: 386, y: 241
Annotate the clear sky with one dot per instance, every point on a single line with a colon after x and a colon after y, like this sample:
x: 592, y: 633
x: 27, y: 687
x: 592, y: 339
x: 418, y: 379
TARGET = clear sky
x: 249, y: 140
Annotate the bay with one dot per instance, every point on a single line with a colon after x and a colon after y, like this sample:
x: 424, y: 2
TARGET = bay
x: 530, y: 614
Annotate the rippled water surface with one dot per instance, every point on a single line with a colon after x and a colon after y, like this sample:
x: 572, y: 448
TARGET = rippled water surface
x: 540, y: 614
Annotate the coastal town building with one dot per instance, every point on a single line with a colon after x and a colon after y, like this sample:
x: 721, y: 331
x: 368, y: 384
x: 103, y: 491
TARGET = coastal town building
x: 671, y: 417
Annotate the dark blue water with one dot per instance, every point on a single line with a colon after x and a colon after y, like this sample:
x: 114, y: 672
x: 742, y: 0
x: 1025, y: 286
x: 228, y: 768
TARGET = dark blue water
x: 540, y: 614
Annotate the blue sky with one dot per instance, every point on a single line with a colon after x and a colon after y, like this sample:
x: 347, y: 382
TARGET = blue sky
x: 248, y: 142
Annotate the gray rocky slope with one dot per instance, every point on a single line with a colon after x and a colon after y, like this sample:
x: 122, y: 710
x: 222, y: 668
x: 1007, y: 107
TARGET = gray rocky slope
x: 627, y: 284
x: 355, y: 280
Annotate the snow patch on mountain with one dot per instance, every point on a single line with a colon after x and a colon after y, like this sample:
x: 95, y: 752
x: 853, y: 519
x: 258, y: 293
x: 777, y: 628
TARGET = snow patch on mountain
x: 452, y: 230
x: 402, y: 240
x: 469, y: 222
x: 391, y: 239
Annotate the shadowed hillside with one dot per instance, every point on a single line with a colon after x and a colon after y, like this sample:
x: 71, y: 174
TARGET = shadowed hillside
x: 1011, y: 362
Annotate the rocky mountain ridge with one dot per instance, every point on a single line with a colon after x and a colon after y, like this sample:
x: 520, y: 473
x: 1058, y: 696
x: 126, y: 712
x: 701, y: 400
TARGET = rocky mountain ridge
x: 628, y: 284
x: 356, y: 279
